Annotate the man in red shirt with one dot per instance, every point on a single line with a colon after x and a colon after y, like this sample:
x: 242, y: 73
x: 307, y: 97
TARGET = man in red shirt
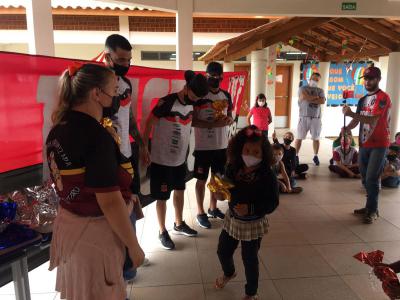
x: 373, y: 114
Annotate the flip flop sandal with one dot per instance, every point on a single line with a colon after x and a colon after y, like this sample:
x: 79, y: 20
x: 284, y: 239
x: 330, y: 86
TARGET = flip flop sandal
x: 221, y: 281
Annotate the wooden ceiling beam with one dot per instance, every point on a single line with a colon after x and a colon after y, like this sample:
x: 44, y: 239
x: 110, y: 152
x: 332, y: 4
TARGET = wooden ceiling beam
x: 363, y: 54
x: 275, y: 35
x: 286, y: 33
x: 309, y: 50
x: 371, y: 35
x: 250, y: 37
x: 334, y: 38
x: 255, y: 46
x: 379, y: 28
x: 320, y: 44
x: 218, y: 52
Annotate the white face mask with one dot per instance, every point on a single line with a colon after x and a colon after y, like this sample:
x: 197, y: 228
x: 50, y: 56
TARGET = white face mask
x: 250, y: 160
x: 261, y: 103
x: 313, y: 83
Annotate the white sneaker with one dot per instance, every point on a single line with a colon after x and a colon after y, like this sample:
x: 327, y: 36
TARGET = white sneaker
x: 146, y: 263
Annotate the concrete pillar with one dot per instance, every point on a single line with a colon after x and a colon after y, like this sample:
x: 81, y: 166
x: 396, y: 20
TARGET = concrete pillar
x: 39, y: 21
x: 229, y: 67
x: 393, y: 89
x: 383, y: 65
x: 258, y: 74
x: 124, y: 26
x: 262, y: 78
x: 184, y: 35
x: 323, y: 84
x: 270, y: 84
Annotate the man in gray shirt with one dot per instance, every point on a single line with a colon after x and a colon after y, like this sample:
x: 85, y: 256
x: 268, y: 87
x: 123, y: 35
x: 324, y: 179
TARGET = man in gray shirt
x: 310, y: 99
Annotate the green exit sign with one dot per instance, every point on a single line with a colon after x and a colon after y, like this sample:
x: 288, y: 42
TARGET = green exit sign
x: 349, y: 6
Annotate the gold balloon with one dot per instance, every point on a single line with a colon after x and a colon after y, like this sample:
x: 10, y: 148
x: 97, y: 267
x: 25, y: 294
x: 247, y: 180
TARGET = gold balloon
x: 108, y: 125
x: 219, y: 107
x: 220, y: 186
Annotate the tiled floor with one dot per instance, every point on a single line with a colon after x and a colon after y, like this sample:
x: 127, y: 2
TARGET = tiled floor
x: 306, y: 255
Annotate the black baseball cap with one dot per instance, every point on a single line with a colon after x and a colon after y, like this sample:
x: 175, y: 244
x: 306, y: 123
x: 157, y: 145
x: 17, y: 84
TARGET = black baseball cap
x: 372, y: 72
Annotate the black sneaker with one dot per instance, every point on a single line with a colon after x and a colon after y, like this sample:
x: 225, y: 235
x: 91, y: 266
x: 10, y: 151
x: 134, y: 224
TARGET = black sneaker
x: 184, y: 229
x: 370, y: 217
x: 316, y: 160
x: 203, y: 221
x: 216, y: 213
x: 166, y: 241
x: 360, y: 211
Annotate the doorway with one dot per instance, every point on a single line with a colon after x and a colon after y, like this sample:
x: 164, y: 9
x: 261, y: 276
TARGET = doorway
x: 283, y: 91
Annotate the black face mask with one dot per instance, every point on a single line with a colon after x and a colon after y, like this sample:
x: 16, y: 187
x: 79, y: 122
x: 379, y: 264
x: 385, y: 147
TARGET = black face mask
x: 188, y: 101
x: 213, y: 82
x: 108, y: 112
x: 287, y: 141
x: 392, y: 157
x: 119, y: 69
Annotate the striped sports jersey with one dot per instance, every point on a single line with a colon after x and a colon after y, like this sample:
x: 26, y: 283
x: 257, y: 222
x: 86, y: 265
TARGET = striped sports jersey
x: 171, y: 134
x: 211, y: 138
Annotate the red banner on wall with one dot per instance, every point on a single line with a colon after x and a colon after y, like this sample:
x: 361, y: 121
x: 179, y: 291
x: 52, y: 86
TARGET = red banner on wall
x: 28, y: 86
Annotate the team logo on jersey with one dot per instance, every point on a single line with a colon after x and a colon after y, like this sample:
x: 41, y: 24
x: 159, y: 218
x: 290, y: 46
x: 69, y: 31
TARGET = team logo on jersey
x: 164, y: 188
x: 55, y: 172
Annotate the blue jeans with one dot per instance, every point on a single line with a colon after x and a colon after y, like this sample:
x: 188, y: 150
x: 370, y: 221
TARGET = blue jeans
x: 293, y: 181
x: 391, y: 182
x: 129, y: 272
x: 371, y: 161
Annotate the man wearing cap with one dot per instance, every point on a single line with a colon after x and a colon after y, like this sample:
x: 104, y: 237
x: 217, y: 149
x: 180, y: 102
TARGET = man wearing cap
x: 373, y: 115
x: 211, y: 140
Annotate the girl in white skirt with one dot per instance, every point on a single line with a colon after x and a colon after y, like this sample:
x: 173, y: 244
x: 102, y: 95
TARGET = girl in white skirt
x: 254, y: 195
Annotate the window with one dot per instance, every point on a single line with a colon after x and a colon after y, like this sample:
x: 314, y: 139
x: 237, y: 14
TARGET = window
x: 292, y: 55
x: 166, y: 55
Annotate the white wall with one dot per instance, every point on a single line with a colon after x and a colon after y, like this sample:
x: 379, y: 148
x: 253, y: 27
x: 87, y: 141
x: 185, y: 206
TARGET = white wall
x: 366, y: 8
x: 383, y: 65
x: 89, y: 51
x: 136, y: 55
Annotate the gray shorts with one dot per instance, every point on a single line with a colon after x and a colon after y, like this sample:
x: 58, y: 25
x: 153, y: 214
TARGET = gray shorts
x: 307, y: 124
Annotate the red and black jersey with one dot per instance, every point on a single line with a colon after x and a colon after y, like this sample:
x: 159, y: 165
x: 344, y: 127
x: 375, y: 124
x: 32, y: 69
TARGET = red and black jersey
x: 376, y: 134
x: 84, y: 159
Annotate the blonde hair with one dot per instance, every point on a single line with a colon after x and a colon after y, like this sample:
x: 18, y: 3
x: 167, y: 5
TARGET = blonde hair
x: 290, y: 133
x: 73, y: 89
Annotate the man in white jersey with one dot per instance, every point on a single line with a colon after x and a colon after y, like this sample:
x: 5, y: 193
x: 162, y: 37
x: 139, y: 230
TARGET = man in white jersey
x: 118, y: 57
x: 170, y: 123
x: 211, y: 140
x: 311, y: 97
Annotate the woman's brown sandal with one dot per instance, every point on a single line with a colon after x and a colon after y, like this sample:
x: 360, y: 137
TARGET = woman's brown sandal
x: 221, y: 281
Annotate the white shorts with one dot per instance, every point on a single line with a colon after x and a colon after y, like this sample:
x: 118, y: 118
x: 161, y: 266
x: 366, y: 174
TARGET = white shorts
x: 309, y: 124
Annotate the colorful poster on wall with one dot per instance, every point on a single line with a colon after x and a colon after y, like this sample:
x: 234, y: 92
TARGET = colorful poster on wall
x: 306, y: 70
x: 345, y: 77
